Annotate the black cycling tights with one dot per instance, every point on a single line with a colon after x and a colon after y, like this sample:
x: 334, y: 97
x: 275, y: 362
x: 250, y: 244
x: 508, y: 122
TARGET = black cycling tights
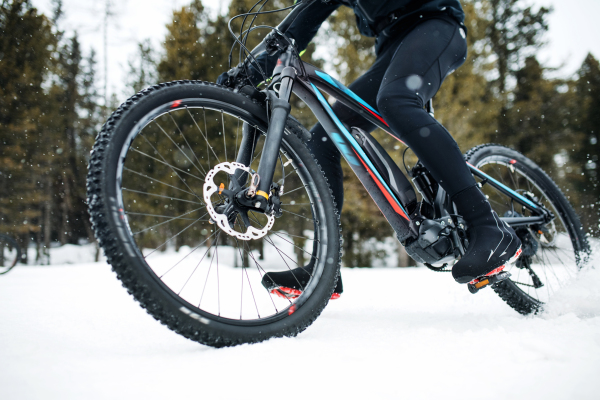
x: 403, y: 78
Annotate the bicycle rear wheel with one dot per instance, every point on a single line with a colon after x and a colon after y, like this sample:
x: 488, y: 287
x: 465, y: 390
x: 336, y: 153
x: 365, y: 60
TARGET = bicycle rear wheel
x: 146, y: 180
x: 10, y: 253
x: 553, y: 253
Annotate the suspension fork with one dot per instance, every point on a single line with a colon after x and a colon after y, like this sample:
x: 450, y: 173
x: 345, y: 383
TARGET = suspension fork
x: 247, y: 146
x: 280, y: 110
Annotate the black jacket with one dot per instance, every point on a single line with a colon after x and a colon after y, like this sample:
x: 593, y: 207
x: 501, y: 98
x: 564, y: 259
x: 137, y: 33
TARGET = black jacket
x: 369, y: 16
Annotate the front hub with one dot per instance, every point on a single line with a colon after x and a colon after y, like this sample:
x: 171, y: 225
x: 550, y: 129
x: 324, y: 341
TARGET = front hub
x: 225, y: 214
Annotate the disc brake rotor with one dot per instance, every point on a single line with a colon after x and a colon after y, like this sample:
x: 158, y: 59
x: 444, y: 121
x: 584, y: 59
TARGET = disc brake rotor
x: 222, y: 220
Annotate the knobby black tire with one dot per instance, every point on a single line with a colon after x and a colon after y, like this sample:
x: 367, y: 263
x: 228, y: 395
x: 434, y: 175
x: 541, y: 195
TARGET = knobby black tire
x: 510, y: 292
x: 163, y: 304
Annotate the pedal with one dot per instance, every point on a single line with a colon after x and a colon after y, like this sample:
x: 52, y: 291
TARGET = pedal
x: 286, y: 293
x: 292, y: 294
x: 478, y: 284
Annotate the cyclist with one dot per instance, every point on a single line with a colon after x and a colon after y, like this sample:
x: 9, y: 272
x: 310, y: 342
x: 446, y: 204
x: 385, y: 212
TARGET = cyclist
x: 418, y: 43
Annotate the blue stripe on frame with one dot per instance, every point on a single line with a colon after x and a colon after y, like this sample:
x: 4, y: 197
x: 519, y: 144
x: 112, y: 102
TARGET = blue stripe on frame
x: 517, y: 195
x: 354, y: 144
x: 349, y: 92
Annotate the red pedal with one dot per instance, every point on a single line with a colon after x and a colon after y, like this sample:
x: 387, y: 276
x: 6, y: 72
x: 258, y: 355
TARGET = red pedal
x: 292, y: 294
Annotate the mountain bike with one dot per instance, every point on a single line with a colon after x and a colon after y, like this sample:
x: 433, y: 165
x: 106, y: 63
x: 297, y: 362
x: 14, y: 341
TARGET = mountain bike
x: 10, y: 253
x: 197, y: 190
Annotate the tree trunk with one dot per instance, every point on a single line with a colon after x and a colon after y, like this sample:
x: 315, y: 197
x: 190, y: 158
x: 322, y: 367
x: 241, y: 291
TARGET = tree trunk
x: 404, y: 259
x: 47, y: 218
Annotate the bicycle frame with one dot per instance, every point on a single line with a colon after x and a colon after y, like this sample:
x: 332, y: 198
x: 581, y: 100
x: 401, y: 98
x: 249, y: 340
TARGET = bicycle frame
x: 309, y: 87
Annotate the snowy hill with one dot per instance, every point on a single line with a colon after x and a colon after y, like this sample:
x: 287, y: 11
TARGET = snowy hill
x: 72, y: 332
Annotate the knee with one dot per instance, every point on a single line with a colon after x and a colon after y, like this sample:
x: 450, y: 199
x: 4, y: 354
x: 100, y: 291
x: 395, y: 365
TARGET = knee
x: 401, y: 105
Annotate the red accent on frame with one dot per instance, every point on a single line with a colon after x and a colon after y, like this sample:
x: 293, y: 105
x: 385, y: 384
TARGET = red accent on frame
x: 381, y: 119
x: 513, y: 161
x: 387, y: 194
x: 375, y: 115
x: 176, y: 103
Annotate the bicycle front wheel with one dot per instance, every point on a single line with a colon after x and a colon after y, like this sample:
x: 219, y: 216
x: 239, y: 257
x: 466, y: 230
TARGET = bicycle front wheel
x: 553, y: 253
x: 151, y: 214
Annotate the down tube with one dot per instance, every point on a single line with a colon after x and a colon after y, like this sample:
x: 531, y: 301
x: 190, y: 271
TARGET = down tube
x: 366, y: 172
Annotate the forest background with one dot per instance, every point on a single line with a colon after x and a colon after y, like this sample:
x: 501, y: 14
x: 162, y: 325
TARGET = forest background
x: 52, y: 106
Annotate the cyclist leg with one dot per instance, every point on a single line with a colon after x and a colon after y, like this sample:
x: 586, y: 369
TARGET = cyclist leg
x: 421, y: 62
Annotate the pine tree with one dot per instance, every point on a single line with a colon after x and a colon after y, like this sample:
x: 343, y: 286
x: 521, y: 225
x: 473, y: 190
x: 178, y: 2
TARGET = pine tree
x: 582, y: 168
x: 142, y: 68
x: 536, y: 115
x: 515, y: 32
x: 184, y: 53
x: 26, y: 42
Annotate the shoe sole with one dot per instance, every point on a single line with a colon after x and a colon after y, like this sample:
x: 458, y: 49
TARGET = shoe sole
x: 496, y: 271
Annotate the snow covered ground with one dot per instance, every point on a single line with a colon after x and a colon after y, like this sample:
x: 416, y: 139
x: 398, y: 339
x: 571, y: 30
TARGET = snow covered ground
x: 72, y: 332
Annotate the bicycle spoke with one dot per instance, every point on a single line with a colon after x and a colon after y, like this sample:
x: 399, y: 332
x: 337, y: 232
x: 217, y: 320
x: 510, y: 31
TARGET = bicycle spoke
x: 249, y: 284
x: 156, y: 180
x: 292, y: 243
x: 188, y: 144
x: 157, y: 215
x: 167, y: 164
x: 186, y: 256
x: 169, y: 220
x: 208, y: 146
x: 296, y: 236
x: 172, y: 168
x: 237, y: 131
x: 208, y: 273
x: 218, y: 280
x: 298, y: 215
x: 277, y: 248
x: 259, y: 268
x: 203, y: 174
x: 224, y: 142
x: 168, y: 240
x: 208, y: 248
x: 293, y: 190
x: 160, y: 195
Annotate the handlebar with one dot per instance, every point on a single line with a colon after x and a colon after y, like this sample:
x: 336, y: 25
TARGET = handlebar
x: 275, y: 40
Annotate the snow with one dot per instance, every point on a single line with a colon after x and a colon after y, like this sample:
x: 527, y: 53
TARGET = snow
x: 68, y: 254
x: 72, y: 332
